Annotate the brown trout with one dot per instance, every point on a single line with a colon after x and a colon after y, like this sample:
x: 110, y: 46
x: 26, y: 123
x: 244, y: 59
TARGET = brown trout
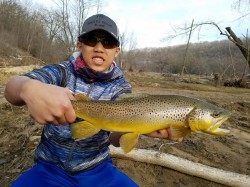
x: 147, y: 113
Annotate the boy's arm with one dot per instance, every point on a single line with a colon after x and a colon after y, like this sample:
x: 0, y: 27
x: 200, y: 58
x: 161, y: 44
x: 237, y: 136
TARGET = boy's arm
x: 46, y: 103
x: 14, y: 89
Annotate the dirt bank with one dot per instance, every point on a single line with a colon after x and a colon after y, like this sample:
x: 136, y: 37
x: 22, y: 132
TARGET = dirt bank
x: 19, y: 135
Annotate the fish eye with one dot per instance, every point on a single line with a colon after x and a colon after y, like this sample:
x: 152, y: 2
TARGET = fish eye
x: 216, y: 115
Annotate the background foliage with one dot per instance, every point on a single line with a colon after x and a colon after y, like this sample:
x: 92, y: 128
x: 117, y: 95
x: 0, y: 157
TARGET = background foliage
x: 50, y: 35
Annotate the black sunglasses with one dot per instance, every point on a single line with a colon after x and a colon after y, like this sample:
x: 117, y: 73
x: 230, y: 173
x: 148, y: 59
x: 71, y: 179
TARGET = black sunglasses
x: 107, y: 42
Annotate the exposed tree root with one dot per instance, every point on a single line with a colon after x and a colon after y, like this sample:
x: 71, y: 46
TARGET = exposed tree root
x: 184, y: 166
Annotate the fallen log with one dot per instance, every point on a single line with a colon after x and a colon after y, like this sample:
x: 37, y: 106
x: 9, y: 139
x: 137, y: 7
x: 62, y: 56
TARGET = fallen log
x: 184, y: 166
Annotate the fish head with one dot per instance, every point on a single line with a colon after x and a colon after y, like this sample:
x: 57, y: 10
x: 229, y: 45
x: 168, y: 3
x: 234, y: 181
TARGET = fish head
x: 208, y: 120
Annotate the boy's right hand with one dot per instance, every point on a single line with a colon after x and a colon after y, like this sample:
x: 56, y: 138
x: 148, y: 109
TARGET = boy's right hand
x: 48, y: 103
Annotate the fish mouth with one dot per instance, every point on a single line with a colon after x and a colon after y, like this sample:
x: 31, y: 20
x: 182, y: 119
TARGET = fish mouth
x: 215, y: 128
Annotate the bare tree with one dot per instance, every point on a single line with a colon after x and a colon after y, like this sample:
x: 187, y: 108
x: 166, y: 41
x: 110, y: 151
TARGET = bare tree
x: 72, y: 14
x: 81, y: 9
x: 243, y: 7
x: 244, y: 47
x: 186, y: 52
x: 127, y: 44
x: 51, y: 22
x: 67, y: 30
x: 80, y: 13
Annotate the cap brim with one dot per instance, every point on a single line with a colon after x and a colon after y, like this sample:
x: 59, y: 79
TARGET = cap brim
x: 82, y: 34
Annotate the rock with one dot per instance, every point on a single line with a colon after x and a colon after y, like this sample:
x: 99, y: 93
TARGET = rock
x: 2, y: 161
x: 34, y: 138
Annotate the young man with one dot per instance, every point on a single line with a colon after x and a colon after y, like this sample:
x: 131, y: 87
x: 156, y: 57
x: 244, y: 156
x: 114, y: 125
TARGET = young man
x: 47, y: 92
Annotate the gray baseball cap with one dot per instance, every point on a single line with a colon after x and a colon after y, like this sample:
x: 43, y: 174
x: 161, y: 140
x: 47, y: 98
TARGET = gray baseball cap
x: 100, y: 22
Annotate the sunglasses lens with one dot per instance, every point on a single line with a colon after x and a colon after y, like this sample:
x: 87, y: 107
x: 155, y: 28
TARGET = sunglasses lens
x: 107, y: 43
x: 90, y: 41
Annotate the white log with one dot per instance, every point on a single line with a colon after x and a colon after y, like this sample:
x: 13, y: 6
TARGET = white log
x: 184, y: 166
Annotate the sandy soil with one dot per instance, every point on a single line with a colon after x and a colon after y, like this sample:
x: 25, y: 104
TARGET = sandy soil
x: 19, y: 135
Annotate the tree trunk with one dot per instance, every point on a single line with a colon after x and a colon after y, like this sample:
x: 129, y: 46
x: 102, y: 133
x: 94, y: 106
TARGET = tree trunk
x: 186, y: 52
x: 244, y: 50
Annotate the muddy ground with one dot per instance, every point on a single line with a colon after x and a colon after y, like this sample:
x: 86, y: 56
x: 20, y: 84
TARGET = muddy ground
x: 19, y: 135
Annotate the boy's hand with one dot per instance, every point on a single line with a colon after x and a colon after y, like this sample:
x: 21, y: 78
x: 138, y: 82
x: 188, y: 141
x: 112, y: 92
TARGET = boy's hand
x: 165, y: 134
x: 48, y: 103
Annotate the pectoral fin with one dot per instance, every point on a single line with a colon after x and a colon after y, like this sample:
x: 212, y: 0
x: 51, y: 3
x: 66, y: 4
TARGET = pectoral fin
x: 128, y: 141
x: 179, y: 131
x: 83, y: 130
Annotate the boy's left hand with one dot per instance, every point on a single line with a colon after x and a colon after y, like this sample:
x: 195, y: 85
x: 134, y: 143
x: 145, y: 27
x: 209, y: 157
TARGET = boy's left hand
x: 165, y: 134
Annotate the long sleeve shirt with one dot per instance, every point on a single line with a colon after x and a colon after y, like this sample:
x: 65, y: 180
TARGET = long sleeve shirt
x: 56, y: 145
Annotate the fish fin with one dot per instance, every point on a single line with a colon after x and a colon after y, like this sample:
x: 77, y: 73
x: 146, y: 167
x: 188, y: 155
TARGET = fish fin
x: 82, y: 97
x: 179, y: 131
x: 83, y: 129
x: 131, y: 96
x: 128, y: 141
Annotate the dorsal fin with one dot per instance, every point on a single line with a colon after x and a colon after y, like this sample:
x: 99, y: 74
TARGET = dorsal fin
x: 130, y: 96
x: 82, y: 97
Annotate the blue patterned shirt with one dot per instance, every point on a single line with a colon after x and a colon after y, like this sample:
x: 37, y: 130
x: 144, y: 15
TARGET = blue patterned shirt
x: 56, y: 145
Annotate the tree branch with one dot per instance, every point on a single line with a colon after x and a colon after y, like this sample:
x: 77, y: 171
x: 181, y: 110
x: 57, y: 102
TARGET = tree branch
x: 184, y: 166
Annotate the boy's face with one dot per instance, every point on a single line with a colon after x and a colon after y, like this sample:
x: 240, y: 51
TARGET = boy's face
x: 98, y: 55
